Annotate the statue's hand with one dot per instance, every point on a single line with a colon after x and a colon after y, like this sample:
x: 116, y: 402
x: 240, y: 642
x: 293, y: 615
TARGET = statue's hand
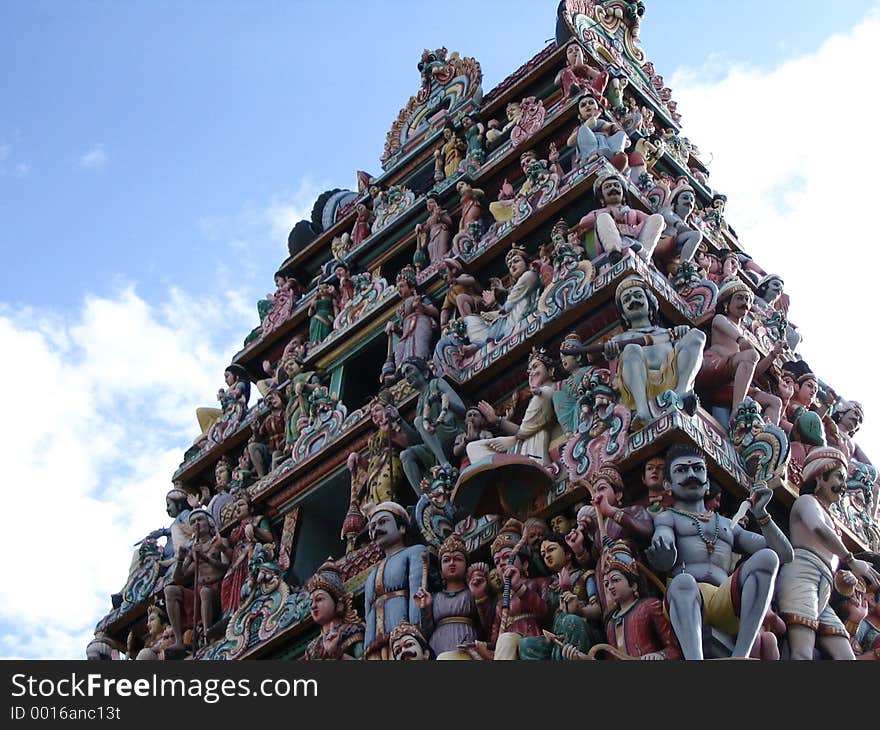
x: 760, y: 497
x: 423, y: 599
x: 865, y: 570
x: 571, y: 653
x: 662, y: 553
x: 611, y: 350
x: 654, y: 656
x: 680, y: 330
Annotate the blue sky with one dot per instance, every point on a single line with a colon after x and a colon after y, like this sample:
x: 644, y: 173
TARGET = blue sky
x: 154, y: 155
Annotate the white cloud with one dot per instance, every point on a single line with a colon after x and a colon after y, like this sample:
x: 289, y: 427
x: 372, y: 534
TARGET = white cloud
x: 790, y: 149
x: 94, y: 158
x: 107, y: 411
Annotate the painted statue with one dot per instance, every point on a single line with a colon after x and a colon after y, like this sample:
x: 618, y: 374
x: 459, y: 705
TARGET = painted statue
x: 578, y: 75
x: 596, y: 137
x: 804, y: 585
x: 533, y: 436
x: 407, y: 644
x: 268, y: 445
x: 217, y: 424
x: 448, y: 158
x: 616, y: 225
x: 696, y: 548
x: 651, y: 359
x: 250, y: 530
x: 434, y: 234
x: 389, y: 593
x: 434, y: 514
x: 415, y: 322
x: 332, y: 608
x: 679, y: 240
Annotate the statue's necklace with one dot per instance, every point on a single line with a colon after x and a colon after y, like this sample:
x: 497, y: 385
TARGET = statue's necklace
x: 698, y: 520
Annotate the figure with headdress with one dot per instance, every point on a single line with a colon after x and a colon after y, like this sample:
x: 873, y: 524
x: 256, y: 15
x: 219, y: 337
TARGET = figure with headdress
x: 566, y: 400
x: 616, y: 225
x: 841, y: 425
x: 204, y: 562
x: 415, y: 322
x: 332, y: 608
x: 389, y: 593
x: 407, y: 644
x: 300, y: 383
x: 249, y: 531
x: 522, y: 610
x: 504, y: 208
x: 679, y: 239
x: 637, y: 626
x: 448, y: 158
x: 473, y: 211
x: 434, y: 234
x: 798, y: 388
x: 696, y: 548
x: 362, y: 224
x: 217, y: 424
x: 463, y: 292
x: 731, y: 361
x: 280, y: 305
x: 519, y: 303
x: 571, y: 596
x: 531, y: 437
x: 439, y: 419
x: 450, y: 616
x: 160, y: 636
x: 267, y: 446
x: 578, y: 75
x: 322, y: 311
x: 596, y: 137
x: 804, y: 586
x: 648, y: 359
x: 434, y: 514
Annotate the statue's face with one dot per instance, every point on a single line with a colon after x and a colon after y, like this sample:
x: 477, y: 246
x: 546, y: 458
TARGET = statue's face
x: 617, y: 587
x: 774, y: 288
x: 242, y: 509
x: 378, y: 414
x: 474, y: 419
x: 634, y: 302
x: 384, y: 530
x: 554, y: 555
x: 501, y: 557
x: 322, y: 607
x: 516, y: 265
x: 438, y: 497
x: 154, y: 622
x: 685, y: 203
x: 462, y: 187
x: 574, y: 55
x: 831, y: 489
x: 612, y: 191
x: 569, y: 363
x: 538, y: 374
x: 404, y: 288
x: 850, y: 421
x: 588, y: 107
x: 273, y: 400
x: 453, y: 565
x: 535, y: 533
x: 200, y: 524
x: 807, y: 391
x: 408, y: 648
x: 689, y: 478
x: 414, y: 376
x: 268, y: 580
x: 604, y: 488
x: 230, y: 378
x: 171, y: 507
x: 652, y: 476
x: 560, y: 524
x: 739, y: 304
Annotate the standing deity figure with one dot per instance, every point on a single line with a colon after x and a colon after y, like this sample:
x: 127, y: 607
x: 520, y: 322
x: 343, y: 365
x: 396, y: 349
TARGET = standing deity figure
x: 732, y: 359
x: 439, y: 419
x: 407, y: 644
x: 203, y: 562
x: 522, y: 610
x: 617, y: 225
x: 332, y: 608
x: 578, y: 75
x: 415, y: 321
x: 473, y: 210
x: 596, y: 137
x: 475, y: 139
x: 433, y: 235
x: 322, y: 311
x: 651, y: 359
x: 533, y: 436
x: 450, y: 617
x: 362, y: 224
x: 448, y: 158
x: 217, y: 424
x: 804, y: 586
x: 268, y: 446
x: 566, y: 400
x: 679, y: 240
x: 300, y: 383
x: 696, y: 547
x: 389, y: 593
x: 280, y: 304
x: 250, y: 530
